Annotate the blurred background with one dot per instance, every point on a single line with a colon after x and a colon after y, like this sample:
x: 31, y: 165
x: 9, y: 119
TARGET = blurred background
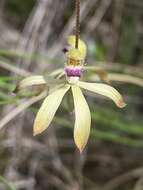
x: 32, y: 36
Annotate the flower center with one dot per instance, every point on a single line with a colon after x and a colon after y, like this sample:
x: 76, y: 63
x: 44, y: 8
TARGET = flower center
x: 73, y: 80
x: 74, y: 62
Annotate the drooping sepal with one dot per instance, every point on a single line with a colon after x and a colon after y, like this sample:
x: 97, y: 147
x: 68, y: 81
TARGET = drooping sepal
x: 82, y: 118
x: 48, y: 109
x: 30, y: 81
x: 105, y: 90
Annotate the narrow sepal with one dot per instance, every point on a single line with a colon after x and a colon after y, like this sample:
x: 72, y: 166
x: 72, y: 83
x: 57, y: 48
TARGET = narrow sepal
x: 48, y: 109
x: 105, y: 90
x: 82, y: 118
x: 30, y: 81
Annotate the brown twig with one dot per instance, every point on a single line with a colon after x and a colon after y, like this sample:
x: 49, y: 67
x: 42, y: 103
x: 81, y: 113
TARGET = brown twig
x: 14, y: 69
x: 114, y: 183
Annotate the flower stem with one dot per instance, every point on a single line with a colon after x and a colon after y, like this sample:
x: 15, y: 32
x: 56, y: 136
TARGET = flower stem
x: 77, y: 29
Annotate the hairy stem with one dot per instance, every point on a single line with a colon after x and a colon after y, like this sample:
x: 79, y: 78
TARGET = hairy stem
x: 77, y: 29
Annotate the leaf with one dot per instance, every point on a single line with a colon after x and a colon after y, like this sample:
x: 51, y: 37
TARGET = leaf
x: 82, y: 118
x: 104, y: 90
x: 48, y: 109
x: 30, y: 81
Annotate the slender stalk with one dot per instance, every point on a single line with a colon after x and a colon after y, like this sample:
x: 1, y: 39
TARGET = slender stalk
x: 77, y: 29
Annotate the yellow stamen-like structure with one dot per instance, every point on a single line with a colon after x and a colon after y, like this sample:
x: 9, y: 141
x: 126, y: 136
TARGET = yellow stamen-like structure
x: 74, y: 57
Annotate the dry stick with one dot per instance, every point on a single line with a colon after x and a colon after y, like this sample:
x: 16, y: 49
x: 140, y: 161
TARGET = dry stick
x: 31, y: 38
x: 139, y: 184
x: 23, y: 105
x: 8, y: 35
x: 116, y: 28
x: 98, y: 16
x: 14, y: 69
x: 25, y: 183
x: 117, y: 77
x: 116, y: 182
x: 2, y: 3
x: 50, y: 27
x: 116, y: 66
x: 126, y: 79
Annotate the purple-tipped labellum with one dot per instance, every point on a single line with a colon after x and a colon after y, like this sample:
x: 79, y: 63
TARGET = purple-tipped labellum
x: 73, y: 71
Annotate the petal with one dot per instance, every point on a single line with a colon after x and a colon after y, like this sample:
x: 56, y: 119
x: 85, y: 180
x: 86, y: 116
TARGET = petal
x: 30, y: 81
x: 82, y: 118
x: 48, y: 109
x: 105, y: 90
x: 56, y: 72
x: 81, y: 46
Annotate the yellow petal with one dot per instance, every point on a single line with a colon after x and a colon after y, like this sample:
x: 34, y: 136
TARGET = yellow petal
x: 104, y: 90
x: 81, y: 46
x: 48, y: 109
x: 82, y: 118
x: 30, y: 81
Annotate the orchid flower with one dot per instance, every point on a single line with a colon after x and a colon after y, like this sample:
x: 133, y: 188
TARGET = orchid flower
x: 72, y: 72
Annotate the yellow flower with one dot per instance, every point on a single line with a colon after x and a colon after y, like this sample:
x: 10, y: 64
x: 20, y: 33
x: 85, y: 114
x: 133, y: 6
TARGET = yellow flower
x: 72, y: 72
